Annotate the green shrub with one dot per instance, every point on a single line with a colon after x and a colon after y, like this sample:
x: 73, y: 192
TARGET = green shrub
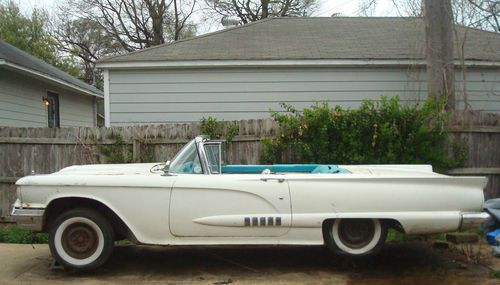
x: 14, y: 234
x: 382, y: 132
x: 216, y: 129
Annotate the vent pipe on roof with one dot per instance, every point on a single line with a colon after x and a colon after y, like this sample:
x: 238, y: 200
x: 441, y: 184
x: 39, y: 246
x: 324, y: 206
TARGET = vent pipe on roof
x: 228, y: 21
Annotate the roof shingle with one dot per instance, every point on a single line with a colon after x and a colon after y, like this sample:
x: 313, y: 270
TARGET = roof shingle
x: 16, y: 56
x: 315, y: 38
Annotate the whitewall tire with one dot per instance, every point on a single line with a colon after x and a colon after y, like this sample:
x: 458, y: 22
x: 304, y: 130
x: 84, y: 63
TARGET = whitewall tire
x: 81, y: 239
x: 355, y: 237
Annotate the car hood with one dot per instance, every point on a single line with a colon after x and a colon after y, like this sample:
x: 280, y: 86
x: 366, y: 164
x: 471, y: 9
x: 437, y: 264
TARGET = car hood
x: 108, y: 169
x: 102, y: 174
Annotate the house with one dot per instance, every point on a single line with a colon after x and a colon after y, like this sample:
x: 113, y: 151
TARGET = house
x: 243, y: 72
x: 34, y: 93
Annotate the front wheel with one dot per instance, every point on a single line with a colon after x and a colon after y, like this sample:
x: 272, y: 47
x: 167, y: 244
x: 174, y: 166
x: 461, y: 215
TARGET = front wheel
x: 355, y: 237
x: 81, y: 239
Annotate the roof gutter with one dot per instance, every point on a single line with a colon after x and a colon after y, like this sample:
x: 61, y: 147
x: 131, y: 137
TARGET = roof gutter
x: 50, y: 78
x: 282, y: 63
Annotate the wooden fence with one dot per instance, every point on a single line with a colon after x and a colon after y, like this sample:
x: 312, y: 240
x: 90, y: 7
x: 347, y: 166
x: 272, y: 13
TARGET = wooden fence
x: 42, y: 150
x: 481, y: 132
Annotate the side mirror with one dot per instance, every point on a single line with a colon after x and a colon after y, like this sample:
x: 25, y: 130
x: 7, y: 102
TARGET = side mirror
x: 167, y: 166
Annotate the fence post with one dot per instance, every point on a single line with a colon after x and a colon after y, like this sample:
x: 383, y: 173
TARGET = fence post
x: 136, y: 150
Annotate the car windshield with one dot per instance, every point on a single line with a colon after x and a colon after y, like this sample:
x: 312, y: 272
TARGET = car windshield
x: 187, y: 160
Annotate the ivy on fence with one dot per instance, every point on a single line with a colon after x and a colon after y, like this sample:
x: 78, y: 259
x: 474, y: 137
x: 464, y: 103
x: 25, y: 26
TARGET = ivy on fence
x: 119, y: 152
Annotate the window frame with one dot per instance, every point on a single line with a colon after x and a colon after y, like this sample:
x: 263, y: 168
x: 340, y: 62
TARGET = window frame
x: 53, y: 110
x: 218, y: 145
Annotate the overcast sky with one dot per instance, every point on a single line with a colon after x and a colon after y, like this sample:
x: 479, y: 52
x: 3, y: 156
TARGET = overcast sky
x: 326, y: 8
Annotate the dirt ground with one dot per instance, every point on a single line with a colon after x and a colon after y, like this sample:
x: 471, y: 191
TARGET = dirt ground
x: 401, y: 263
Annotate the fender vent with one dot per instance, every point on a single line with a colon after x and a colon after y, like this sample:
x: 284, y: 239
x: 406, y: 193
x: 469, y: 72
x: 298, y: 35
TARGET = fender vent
x: 262, y: 221
x: 270, y: 221
x: 255, y: 221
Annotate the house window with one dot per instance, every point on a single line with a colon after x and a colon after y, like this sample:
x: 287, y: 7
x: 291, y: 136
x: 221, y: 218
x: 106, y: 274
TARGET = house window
x: 52, y: 103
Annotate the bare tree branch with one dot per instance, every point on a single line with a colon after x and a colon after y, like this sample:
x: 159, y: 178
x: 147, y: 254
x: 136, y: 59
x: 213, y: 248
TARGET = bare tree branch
x: 92, y: 29
x: 252, y: 10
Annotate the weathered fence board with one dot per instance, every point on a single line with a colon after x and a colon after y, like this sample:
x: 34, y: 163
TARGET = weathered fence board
x: 44, y: 150
x: 480, y: 132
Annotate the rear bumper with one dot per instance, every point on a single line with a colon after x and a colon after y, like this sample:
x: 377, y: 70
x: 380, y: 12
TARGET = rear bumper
x: 473, y: 219
x: 28, y: 219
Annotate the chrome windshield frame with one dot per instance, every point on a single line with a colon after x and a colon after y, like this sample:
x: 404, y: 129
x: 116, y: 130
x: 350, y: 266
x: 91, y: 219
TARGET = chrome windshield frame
x: 199, y: 143
x: 201, y: 154
x: 194, y: 142
x: 218, y: 143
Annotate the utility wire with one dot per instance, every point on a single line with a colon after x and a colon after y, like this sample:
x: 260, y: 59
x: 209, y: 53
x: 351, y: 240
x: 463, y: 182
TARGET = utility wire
x: 334, y: 8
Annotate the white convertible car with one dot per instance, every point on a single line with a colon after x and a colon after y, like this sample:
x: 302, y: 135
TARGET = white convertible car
x: 198, y: 200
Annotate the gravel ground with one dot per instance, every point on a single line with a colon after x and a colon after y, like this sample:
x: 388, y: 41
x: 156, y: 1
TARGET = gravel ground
x: 400, y: 263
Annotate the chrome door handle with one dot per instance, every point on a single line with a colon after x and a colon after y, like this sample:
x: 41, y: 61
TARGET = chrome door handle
x: 280, y: 180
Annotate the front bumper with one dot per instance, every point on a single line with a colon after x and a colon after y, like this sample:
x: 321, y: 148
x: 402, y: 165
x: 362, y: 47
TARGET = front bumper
x: 28, y: 218
x: 473, y: 219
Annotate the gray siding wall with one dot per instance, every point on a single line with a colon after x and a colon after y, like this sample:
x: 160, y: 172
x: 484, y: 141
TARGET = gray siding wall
x: 21, y: 102
x: 183, y: 95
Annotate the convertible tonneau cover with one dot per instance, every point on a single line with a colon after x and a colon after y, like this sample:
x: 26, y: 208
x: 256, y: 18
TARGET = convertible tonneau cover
x: 276, y: 168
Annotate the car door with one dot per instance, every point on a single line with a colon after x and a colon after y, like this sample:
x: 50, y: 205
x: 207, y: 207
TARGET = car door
x: 230, y: 205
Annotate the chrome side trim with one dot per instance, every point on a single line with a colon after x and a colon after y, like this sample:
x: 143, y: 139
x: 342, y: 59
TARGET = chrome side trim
x: 27, y: 212
x: 28, y: 219
x: 473, y: 219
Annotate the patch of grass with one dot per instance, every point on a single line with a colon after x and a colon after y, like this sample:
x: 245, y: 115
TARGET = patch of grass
x: 495, y: 274
x: 14, y: 234
x: 439, y: 237
x: 123, y: 242
x: 481, y: 234
x: 478, y: 231
x: 396, y: 236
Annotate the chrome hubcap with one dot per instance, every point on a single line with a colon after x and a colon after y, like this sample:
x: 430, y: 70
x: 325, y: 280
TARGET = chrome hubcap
x: 356, y: 233
x: 79, y: 240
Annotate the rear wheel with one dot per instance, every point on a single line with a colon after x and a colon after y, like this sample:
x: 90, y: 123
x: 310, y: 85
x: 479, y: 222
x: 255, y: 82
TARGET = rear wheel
x: 81, y: 239
x: 355, y: 237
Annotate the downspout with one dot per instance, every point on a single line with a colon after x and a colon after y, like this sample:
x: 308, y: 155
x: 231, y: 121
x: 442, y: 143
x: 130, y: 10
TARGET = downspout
x: 107, y: 118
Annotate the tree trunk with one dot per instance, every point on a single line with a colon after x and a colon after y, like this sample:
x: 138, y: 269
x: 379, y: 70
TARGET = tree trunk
x: 177, y: 30
x: 439, y: 50
x: 265, y: 8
